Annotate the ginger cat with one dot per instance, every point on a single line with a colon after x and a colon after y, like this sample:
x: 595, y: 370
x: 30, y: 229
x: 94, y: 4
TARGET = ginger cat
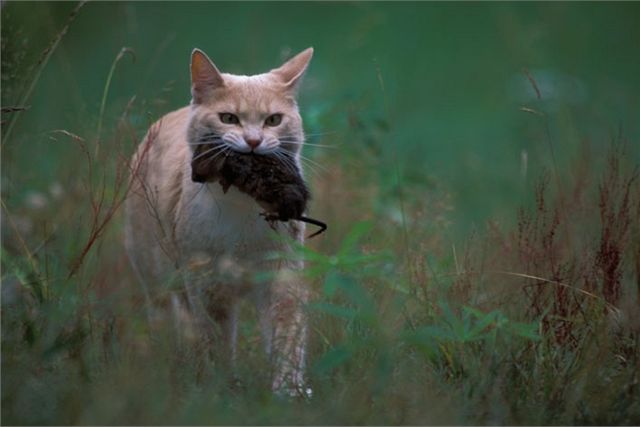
x: 213, y: 240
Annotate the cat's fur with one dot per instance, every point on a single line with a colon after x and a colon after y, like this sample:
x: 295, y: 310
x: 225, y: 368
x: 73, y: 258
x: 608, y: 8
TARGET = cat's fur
x: 213, y: 240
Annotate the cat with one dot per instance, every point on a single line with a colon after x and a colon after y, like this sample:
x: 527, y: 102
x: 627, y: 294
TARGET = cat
x: 214, y: 241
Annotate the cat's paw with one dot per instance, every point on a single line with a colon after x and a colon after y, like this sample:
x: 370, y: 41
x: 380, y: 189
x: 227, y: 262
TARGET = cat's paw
x: 298, y: 392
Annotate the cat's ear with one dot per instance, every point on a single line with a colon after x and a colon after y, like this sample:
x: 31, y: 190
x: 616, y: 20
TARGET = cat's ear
x: 291, y: 71
x: 205, y: 77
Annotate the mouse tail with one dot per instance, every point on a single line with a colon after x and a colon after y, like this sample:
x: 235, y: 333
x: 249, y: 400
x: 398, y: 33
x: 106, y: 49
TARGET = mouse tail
x: 313, y: 221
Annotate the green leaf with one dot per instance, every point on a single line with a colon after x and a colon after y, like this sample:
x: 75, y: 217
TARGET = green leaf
x: 525, y: 330
x: 350, y: 241
x: 333, y: 358
x: 456, y: 325
x: 432, y: 332
x: 362, y: 260
x: 332, y: 281
x: 483, y: 322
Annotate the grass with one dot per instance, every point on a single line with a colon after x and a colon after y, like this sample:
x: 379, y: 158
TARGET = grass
x: 531, y: 320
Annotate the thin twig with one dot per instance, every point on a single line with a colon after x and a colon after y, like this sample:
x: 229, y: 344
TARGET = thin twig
x: 543, y: 281
x: 107, y: 85
x: 99, y: 224
x: 42, y: 63
x: 25, y: 248
x: 405, y: 232
x: 533, y: 83
x: 15, y: 109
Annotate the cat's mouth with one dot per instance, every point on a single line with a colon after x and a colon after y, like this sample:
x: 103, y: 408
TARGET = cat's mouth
x: 207, y: 160
x: 204, y: 160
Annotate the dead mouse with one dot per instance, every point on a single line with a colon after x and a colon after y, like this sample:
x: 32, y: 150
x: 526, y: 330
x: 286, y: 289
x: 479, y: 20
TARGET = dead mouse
x: 275, y: 185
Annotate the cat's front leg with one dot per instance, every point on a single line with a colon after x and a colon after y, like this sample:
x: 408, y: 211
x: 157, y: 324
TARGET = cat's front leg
x: 213, y: 306
x: 284, y: 329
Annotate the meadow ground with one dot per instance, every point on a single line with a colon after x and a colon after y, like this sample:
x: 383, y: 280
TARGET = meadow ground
x: 477, y: 166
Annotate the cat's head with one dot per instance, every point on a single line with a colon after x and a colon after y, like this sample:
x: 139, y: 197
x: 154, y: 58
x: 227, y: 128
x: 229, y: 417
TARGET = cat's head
x: 246, y: 114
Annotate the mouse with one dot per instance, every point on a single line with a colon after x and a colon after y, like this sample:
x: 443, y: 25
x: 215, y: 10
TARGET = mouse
x: 276, y: 186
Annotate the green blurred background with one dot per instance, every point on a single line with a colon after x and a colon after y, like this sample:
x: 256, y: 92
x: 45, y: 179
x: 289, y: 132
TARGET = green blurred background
x: 439, y: 117
x: 440, y: 84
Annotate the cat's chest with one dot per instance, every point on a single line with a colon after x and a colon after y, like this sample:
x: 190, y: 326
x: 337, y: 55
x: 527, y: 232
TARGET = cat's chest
x: 216, y: 222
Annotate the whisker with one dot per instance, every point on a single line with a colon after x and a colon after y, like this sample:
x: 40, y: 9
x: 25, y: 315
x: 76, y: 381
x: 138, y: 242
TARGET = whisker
x: 331, y: 132
x: 302, y: 143
x: 288, y: 163
x: 291, y: 138
x: 295, y: 161
x: 210, y: 135
x: 310, y: 162
x: 313, y: 170
x: 210, y: 150
x: 307, y: 143
x: 210, y: 159
x: 210, y: 138
x: 204, y: 142
x: 318, y: 133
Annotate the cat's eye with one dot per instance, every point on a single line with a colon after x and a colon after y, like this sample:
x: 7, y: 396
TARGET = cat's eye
x: 229, y: 119
x: 273, y: 120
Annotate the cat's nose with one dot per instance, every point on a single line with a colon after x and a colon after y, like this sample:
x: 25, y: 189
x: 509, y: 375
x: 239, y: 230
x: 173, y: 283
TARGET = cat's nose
x: 253, y: 143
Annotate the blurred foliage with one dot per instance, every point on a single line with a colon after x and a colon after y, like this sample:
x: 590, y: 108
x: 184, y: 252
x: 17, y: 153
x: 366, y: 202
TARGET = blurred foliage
x: 435, y: 302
